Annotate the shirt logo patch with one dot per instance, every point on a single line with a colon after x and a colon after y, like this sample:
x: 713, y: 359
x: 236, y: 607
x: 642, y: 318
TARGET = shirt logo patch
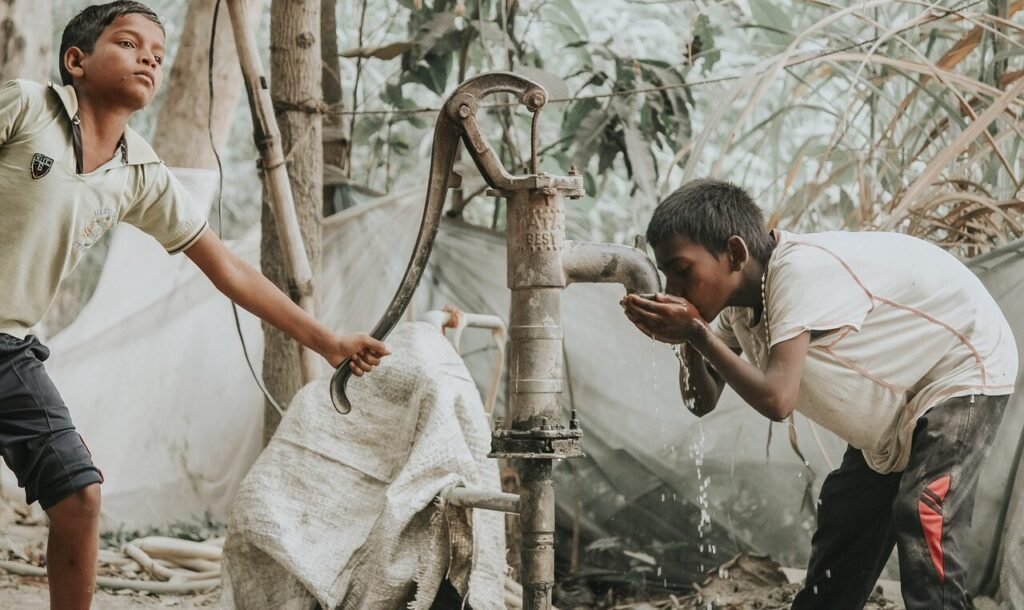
x: 40, y: 166
x: 102, y: 220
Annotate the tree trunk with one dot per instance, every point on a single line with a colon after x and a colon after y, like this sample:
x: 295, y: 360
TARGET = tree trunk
x: 296, y: 89
x: 26, y: 28
x: 181, y: 137
x: 335, y: 142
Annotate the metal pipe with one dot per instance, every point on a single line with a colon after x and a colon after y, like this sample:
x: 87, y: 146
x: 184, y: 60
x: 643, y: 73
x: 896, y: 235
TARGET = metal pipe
x: 470, y: 497
x: 540, y: 264
x: 537, y: 523
x: 588, y: 262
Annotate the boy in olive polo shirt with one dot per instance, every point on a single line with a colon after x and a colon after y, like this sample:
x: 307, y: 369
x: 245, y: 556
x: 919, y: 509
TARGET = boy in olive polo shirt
x: 71, y: 168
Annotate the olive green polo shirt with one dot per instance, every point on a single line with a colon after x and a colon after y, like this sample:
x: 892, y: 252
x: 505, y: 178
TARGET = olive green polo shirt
x: 51, y: 213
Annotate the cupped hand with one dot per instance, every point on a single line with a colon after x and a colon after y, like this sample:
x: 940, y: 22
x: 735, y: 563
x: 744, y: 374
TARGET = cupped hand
x: 666, y: 318
x: 365, y: 352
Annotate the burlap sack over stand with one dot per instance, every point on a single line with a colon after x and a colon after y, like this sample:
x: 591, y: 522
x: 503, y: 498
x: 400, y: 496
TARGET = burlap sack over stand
x: 340, y: 510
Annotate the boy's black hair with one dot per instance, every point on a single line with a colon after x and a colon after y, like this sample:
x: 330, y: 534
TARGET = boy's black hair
x: 85, y: 28
x: 709, y: 212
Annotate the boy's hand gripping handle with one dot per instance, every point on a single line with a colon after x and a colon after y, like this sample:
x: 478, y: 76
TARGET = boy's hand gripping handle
x: 456, y: 119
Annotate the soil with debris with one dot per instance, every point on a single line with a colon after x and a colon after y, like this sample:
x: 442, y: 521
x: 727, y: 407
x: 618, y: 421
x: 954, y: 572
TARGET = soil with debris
x: 745, y: 582
x: 23, y: 539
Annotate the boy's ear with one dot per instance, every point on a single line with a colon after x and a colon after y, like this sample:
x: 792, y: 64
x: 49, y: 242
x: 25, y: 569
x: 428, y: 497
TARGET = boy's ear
x: 73, y: 59
x: 737, y: 251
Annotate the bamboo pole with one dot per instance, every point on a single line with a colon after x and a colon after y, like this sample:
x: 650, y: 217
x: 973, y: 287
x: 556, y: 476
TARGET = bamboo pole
x: 268, y: 141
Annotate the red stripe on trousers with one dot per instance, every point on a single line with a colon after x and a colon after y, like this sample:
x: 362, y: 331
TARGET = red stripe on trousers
x: 931, y: 523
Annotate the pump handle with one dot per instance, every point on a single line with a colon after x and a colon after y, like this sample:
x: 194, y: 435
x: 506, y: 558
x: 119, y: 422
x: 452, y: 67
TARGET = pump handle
x: 460, y: 106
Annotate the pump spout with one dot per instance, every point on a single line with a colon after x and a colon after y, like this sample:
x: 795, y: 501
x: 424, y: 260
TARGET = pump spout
x: 589, y: 262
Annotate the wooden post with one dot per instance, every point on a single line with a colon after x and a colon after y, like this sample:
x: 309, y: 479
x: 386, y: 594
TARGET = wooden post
x: 268, y: 141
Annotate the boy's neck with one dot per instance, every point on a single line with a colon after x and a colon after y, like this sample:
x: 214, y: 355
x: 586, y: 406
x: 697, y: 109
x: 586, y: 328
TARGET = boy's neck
x: 749, y: 292
x: 102, y: 126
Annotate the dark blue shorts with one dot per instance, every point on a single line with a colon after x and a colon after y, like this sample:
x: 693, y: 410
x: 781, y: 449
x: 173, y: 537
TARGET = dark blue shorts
x: 38, y: 441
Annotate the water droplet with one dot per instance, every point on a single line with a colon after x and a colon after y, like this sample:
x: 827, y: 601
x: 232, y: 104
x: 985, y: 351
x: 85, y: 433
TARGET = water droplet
x: 815, y: 589
x: 654, y: 369
x: 828, y: 573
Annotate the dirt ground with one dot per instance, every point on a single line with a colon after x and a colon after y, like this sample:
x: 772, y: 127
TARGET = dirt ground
x: 31, y: 593
x: 746, y: 582
x: 23, y: 539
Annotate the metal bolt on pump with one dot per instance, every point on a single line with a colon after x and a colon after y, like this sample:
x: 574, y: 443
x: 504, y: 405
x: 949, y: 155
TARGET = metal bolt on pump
x: 541, y: 263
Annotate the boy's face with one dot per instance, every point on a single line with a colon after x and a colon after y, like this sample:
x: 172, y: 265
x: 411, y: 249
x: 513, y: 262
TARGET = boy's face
x: 697, y: 275
x: 125, y: 67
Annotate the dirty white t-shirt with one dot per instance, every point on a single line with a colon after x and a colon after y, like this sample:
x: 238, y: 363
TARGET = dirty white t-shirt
x: 910, y: 326
x: 52, y: 214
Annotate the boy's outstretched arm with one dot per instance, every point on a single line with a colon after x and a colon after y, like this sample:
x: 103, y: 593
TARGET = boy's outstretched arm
x: 243, y: 284
x: 772, y: 393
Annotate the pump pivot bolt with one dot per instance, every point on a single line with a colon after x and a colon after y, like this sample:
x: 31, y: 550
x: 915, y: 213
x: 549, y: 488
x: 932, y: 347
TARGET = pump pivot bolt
x: 535, y: 100
x: 465, y: 111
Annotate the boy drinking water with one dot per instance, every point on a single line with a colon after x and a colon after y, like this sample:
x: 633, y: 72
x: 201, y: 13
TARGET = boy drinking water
x: 884, y: 339
x: 71, y: 168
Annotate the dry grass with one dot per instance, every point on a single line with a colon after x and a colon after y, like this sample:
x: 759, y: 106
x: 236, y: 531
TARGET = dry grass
x: 917, y: 130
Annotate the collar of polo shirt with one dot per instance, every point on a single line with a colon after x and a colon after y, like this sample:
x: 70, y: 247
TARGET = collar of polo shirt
x: 139, y: 151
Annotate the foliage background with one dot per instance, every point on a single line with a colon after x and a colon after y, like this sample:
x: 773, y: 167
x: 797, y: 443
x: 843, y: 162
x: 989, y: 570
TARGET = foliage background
x: 821, y: 140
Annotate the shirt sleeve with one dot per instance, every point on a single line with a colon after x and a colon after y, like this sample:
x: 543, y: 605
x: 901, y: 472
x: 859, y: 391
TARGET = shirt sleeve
x: 722, y: 327
x: 12, y: 108
x: 810, y: 288
x: 164, y: 209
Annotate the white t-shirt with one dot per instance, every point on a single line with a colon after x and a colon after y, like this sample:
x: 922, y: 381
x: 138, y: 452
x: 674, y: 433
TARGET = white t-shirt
x: 908, y: 326
x: 51, y: 214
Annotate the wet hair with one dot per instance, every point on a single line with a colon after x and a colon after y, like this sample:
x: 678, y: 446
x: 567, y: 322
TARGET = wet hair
x: 85, y: 28
x: 709, y: 212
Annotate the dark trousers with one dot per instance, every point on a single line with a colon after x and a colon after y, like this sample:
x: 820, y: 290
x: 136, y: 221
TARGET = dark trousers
x: 925, y: 511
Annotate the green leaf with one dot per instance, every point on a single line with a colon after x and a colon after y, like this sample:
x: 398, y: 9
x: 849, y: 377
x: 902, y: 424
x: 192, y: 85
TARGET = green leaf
x: 440, y: 68
x: 392, y: 94
x: 704, y: 37
x: 431, y: 32
x: 433, y: 75
x: 366, y: 128
x: 606, y: 158
x: 768, y: 15
x: 562, y: 12
x: 644, y: 171
x: 589, y: 136
x: 399, y: 145
x: 575, y: 114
